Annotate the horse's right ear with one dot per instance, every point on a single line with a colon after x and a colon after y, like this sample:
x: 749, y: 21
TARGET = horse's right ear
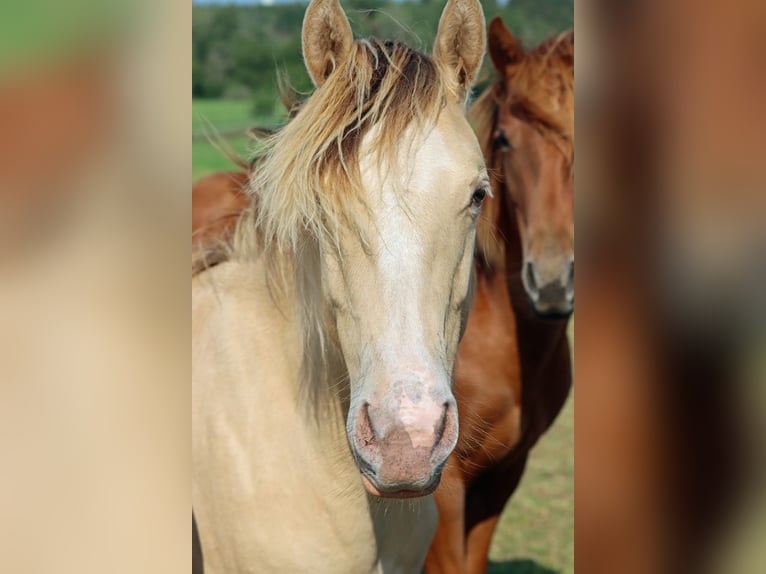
x: 327, y: 38
x: 460, y: 42
x: 503, y: 48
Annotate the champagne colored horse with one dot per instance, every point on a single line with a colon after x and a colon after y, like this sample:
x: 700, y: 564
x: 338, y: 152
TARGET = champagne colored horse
x: 324, y: 347
x: 513, y: 368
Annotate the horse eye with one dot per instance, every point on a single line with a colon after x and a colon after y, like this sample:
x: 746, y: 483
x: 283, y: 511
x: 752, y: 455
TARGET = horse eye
x: 478, y: 196
x: 501, y: 140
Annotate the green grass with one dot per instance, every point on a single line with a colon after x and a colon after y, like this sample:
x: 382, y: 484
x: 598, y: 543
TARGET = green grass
x: 223, y: 114
x: 536, y: 532
x: 230, y: 118
x: 206, y: 159
x: 535, y: 535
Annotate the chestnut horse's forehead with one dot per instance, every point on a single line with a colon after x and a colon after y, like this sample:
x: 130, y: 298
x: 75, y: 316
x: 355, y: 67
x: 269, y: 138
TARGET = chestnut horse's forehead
x: 540, y: 91
x: 527, y: 127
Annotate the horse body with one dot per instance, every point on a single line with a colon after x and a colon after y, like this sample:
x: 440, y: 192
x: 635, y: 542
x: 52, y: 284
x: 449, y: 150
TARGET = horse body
x: 513, y: 371
x: 324, y: 344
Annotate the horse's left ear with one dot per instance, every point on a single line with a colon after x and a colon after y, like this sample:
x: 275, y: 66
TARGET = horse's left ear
x: 460, y: 42
x: 565, y: 47
x: 327, y: 39
x: 504, y: 48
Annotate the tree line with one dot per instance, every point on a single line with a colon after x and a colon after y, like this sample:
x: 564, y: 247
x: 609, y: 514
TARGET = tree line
x: 237, y: 49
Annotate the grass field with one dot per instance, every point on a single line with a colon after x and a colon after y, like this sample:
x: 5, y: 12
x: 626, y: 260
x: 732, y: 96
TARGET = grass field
x: 536, y: 532
x: 226, y: 117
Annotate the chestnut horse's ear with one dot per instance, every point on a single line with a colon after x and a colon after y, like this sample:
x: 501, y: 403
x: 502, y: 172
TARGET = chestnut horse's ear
x: 503, y: 47
x: 327, y: 38
x: 460, y: 42
x: 565, y: 47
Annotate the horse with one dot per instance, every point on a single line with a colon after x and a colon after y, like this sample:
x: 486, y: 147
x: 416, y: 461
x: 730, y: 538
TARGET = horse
x: 324, y: 346
x: 512, y: 373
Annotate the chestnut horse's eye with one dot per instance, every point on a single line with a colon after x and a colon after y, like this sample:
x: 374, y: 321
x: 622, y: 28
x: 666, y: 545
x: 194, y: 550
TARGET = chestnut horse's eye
x: 501, y: 140
x: 478, y: 196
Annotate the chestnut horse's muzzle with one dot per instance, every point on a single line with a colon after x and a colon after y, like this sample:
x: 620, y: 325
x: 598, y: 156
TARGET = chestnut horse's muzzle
x: 550, y: 289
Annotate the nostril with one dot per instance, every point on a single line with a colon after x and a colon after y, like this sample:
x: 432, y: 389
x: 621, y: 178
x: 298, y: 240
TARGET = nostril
x: 529, y: 272
x: 442, y: 426
x: 570, y: 278
x: 365, y: 432
x: 446, y: 436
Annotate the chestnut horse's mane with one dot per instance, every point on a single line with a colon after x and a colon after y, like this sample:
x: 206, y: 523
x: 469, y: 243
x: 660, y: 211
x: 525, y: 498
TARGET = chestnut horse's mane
x: 542, y: 93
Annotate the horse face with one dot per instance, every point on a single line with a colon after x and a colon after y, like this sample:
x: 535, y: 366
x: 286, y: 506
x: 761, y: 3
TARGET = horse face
x: 540, y: 183
x: 396, y: 278
x: 400, y: 299
x: 533, y: 131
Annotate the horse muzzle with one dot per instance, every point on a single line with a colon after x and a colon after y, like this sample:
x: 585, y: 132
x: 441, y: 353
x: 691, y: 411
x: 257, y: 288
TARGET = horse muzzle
x: 401, y: 443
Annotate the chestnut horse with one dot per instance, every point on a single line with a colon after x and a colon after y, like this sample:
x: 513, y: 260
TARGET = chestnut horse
x: 323, y: 348
x: 513, y: 371
x: 217, y: 201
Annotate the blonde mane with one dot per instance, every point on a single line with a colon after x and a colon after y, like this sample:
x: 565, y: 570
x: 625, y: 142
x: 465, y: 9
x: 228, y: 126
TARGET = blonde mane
x: 308, y: 184
x: 306, y: 187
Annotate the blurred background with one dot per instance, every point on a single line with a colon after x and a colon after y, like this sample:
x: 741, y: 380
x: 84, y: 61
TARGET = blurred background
x: 94, y: 286
x: 670, y: 210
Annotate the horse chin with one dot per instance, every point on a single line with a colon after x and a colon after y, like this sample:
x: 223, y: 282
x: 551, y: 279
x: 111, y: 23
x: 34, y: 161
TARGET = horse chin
x: 552, y: 313
x: 371, y: 488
